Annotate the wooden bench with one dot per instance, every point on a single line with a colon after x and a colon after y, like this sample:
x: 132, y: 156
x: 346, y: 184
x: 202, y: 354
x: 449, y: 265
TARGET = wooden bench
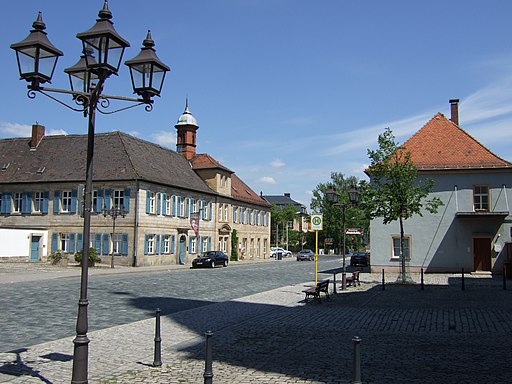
x: 315, y: 292
x: 354, y: 279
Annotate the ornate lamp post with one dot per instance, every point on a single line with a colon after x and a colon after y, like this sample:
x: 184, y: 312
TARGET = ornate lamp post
x: 114, y: 213
x: 333, y: 197
x: 103, y: 50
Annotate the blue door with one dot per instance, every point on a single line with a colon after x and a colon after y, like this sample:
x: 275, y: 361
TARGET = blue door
x: 34, y: 248
x: 181, y: 253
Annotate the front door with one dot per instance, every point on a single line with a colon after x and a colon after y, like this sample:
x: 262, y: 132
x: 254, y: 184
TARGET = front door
x: 181, y: 253
x: 482, y: 254
x: 34, y: 248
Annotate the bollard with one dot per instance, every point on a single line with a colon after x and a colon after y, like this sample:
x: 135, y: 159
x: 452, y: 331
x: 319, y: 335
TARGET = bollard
x: 463, y: 284
x: 383, y: 281
x: 422, y: 282
x: 504, y: 277
x: 157, y: 362
x: 208, y: 372
x: 356, y: 379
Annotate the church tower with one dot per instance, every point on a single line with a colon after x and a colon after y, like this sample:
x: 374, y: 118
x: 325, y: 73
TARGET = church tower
x: 186, y: 128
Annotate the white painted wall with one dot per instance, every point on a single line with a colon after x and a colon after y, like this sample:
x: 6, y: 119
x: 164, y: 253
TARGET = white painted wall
x: 16, y: 242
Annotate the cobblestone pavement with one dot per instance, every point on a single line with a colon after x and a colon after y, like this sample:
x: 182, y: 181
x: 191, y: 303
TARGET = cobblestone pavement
x: 439, y: 334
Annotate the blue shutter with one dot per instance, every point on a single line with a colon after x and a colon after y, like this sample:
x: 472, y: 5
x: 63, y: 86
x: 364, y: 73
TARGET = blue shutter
x: 162, y: 244
x: 157, y: 244
x: 188, y: 201
x: 124, y: 244
x: 8, y: 202
x: 190, y: 244
x: 55, y: 241
x: 56, y: 201
x: 174, y: 206
x: 210, y: 214
x: 180, y: 212
x: 126, y: 201
x: 146, y: 245
x: 108, y: 198
x: 74, y: 194
x: 45, y: 202
x: 100, y: 200
x: 209, y: 243
x: 97, y: 243
x: 173, y: 239
x: 26, y: 202
x: 72, y: 243
x: 106, y: 243
x: 158, y: 202
x: 147, y: 201
x: 79, y: 242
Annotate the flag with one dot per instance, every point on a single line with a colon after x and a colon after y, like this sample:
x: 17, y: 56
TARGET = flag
x: 194, y: 223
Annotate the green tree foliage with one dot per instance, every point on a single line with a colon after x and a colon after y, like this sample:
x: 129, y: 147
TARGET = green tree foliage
x: 280, y: 219
x: 332, y: 214
x: 395, y: 191
x: 234, y: 245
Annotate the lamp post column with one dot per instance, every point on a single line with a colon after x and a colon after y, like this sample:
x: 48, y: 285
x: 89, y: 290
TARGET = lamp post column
x: 343, y: 274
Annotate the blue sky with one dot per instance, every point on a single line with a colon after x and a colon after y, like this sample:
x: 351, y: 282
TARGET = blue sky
x: 285, y: 91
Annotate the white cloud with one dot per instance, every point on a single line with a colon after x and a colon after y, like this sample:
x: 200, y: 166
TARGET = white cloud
x: 164, y: 138
x: 55, y: 132
x: 15, y: 129
x: 277, y: 163
x: 267, y: 180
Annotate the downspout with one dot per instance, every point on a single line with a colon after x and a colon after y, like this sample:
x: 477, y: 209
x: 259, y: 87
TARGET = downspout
x: 136, y: 225
x: 506, y: 198
x: 456, y: 200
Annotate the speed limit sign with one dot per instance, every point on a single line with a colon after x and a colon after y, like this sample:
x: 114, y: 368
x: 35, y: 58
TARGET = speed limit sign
x: 316, y: 222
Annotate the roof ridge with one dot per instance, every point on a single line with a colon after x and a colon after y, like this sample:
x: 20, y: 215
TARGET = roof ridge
x: 122, y: 136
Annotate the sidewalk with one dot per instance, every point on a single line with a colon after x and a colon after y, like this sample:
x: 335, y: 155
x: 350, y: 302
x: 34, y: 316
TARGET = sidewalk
x: 439, y: 334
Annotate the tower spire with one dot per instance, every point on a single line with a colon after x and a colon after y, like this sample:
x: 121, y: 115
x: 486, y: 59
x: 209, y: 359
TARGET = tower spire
x: 186, y: 133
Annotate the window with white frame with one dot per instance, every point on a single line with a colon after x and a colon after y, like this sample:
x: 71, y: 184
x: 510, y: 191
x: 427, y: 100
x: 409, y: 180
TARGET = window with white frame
x: 226, y: 214
x: 220, y: 212
x: 38, y: 201
x: 64, y: 242
x: 181, y: 207
x: 167, y: 244
x: 152, y: 202
x: 118, y: 198
x: 193, y: 245
x: 18, y: 201
x: 481, y: 198
x: 193, y: 209
x: 66, y: 201
x: 396, y: 247
x: 205, y: 244
x: 95, y: 207
x: 151, y: 244
x: 167, y: 205
x: 235, y: 214
x: 117, y: 242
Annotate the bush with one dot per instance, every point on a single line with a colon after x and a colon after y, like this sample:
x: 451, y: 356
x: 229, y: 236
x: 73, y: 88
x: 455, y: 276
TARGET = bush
x: 57, y: 257
x: 93, y: 257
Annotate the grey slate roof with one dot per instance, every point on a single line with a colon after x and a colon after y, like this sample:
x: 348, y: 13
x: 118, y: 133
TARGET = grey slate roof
x: 117, y: 156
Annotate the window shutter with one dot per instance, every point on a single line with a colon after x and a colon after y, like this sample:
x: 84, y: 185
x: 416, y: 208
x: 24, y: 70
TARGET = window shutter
x: 190, y: 243
x: 26, y: 202
x: 124, y: 244
x: 209, y: 243
x: 45, y: 202
x: 158, y: 203
x: 100, y: 200
x: 180, y: 210
x: 108, y: 198
x: 74, y: 194
x: 146, y: 245
x: 173, y: 239
x: 162, y: 244
x: 72, y: 243
x: 147, y: 201
x: 126, y: 201
x: 164, y: 204
x: 210, y: 213
x: 56, y: 202
x: 55, y: 242
x: 157, y: 244
x: 189, y: 206
x: 175, y: 206
x: 97, y: 243
x: 106, y: 244
x: 79, y: 242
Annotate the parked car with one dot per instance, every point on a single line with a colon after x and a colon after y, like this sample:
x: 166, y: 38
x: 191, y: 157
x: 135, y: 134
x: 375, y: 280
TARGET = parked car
x: 360, y: 259
x: 305, y: 254
x: 275, y: 250
x: 211, y: 259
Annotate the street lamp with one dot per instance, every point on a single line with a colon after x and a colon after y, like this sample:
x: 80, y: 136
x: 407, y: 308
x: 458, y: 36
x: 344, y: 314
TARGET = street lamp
x: 114, y: 213
x: 333, y: 197
x: 103, y: 49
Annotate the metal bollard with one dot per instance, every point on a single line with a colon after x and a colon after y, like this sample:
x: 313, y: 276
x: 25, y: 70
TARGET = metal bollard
x: 463, y: 283
x: 422, y: 281
x: 157, y: 362
x: 356, y: 379
x: 208, y: 372
x: 383, y: 281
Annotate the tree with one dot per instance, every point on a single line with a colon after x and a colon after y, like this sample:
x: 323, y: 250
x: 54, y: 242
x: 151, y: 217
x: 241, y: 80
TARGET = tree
x: 280, y: 217
x: 395, y: 192
x: 234, y: 245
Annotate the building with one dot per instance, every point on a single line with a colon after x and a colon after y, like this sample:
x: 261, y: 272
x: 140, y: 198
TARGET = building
x: 473, y: 228
x: 176, y: 203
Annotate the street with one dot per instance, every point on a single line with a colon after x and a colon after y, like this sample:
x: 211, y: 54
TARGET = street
x: 34, y: 312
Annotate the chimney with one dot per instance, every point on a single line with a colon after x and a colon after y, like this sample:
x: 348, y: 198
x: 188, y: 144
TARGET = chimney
x: 37, y: 135
x: 288, y: 195
x: 454, y: 104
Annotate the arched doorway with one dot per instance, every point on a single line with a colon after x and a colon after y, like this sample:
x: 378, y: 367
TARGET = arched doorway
x: 182, y: 249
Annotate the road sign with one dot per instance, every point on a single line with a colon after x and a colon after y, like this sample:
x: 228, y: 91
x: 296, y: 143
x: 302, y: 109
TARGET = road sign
x: 353, y: 231
x: 316, y: 222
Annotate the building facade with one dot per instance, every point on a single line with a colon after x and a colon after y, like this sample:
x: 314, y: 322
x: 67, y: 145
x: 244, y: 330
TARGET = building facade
x: 472, y: 230
x: 175, y: 203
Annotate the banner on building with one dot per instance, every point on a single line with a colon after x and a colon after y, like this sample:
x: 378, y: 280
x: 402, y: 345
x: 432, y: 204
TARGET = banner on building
x: 194, y: 223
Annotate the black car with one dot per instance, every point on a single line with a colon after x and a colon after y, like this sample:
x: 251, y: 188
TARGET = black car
x: 210, y: 259
x: 305, y: 254
x: 360, y: 259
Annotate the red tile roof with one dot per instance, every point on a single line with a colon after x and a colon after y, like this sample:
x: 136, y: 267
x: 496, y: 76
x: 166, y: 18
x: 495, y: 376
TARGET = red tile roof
x: 205, y: 161
x: 241, y: 191
x: 441, y: 144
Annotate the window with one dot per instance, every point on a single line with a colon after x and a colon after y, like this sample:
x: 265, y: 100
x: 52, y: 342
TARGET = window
x: 235, y: 214
x: 64, y: 242
x: 181, y: 207
x: 226, y: 212
x: 167, y: 243
x: 18, y: 201
x: 66, y: 201
x: 38, y: 201
x: 193, y: 245
x: 396, y: 248
x: 118, y: 198
x: 220, y: 212
x: 481, y: 198
x: 167, y: 206
x: 204, y: 244
x: 151, y: 244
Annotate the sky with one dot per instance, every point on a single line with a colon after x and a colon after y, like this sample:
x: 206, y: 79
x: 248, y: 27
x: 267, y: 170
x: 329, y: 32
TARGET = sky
x: 284, y: 91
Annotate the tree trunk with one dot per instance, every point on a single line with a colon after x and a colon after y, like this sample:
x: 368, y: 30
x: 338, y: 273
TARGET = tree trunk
x: 402, y: 254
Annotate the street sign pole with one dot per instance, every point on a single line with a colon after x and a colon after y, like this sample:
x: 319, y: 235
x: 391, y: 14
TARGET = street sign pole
x: 316, y: 225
